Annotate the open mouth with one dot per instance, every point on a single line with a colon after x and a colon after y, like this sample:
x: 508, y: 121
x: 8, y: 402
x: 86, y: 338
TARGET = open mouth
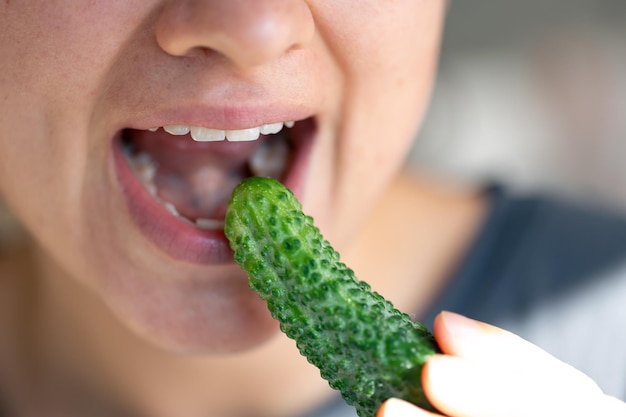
x: 191, y: 171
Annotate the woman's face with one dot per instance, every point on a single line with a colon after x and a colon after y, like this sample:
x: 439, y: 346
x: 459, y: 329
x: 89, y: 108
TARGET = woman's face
x: 133, y: 213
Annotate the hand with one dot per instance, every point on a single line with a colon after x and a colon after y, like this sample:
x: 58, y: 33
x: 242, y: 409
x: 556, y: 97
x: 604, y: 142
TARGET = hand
x: 489, y: 372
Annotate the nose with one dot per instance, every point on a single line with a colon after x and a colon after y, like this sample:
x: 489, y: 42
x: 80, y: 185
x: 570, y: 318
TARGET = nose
x: 247, y: 32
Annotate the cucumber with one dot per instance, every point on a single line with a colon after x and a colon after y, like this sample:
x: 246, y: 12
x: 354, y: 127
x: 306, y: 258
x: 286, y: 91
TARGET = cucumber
x: 362, y: 345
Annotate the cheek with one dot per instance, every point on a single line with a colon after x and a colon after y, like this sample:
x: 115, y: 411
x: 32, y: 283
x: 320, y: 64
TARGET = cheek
x: 60, y: 53
x: 24, y: 180
x: 390, y: 63
x: 53, y: 66
x: 387, y: 55
x: 52, y: 59
x: 396, y: 67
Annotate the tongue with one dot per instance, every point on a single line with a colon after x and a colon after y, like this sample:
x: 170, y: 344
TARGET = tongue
x: 196, y: 177
x: 198, y: 193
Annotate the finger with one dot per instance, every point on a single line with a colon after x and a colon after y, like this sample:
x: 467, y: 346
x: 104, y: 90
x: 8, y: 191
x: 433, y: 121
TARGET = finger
x: 395, y: 407
x: 611, y: 407
x: 470, y: 339
x: 461, y: 336
x: 465, y: 388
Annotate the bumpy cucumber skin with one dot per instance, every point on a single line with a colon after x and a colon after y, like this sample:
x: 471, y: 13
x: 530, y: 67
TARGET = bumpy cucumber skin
x: 362, y: 345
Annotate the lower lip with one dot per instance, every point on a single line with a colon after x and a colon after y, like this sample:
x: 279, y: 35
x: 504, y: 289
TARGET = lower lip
x: 183, y: 241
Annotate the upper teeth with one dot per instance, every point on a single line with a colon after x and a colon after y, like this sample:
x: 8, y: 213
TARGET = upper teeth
x: 205, y: 134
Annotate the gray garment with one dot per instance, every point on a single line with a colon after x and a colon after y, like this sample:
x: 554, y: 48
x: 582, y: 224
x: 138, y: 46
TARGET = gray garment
x: 551, y: 272
x: 586, y: 329
x: 555, y: 274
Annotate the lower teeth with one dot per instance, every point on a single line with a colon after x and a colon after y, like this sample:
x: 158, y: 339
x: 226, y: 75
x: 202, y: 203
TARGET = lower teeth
x: 210, y: 224
x: 270, y: 159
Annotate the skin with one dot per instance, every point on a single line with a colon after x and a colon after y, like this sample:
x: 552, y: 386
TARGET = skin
x: 84, y: 77
x: 73, y: 77
x: 98, y: 305
x: 466, y: 381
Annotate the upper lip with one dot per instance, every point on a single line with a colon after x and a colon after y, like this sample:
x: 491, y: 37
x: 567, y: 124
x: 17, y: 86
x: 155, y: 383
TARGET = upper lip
x: 220, y: 117
x: 211, y: 95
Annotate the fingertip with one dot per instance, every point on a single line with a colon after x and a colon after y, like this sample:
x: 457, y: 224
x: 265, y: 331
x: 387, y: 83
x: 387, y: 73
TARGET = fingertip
x: 435, y: 374
x: 395, y: 407
x: 451, y: 329
x: 456, y: 323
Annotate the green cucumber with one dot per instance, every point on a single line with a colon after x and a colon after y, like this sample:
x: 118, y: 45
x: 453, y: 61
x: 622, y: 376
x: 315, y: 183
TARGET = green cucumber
x: 362, y: 345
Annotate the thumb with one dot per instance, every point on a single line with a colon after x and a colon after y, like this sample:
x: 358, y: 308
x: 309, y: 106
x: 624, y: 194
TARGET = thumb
x: 395, y: 407
x: 480, y: 342
x: 488, y: 371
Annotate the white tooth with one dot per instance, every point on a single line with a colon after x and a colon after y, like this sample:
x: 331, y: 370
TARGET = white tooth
x: 170, y: 207
x: 243, y: 134
x: 152, y: 189
x: 177, y: 130
x: 145, y: 167
x: 153, y: 129
x: 271, y: 128
x: 186, y: 220
x: 204, y: 134
x: 290, y: 124
x: 143, y: 158
x: 210, y: 224
x: 269, y: 159
x: 147, y: 174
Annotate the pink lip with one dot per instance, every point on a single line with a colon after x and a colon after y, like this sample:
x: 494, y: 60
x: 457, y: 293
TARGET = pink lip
x: 225, y: 117
x: 181, y: 240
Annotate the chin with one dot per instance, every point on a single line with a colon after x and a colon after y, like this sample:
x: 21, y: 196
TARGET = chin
x: 192, y: 317
x: 192, y: 338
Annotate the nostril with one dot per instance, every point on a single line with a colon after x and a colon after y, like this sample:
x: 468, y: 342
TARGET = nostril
x: 247, y: 32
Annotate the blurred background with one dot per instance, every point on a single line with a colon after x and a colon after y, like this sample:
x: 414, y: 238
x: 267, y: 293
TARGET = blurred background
x: 532, y: 93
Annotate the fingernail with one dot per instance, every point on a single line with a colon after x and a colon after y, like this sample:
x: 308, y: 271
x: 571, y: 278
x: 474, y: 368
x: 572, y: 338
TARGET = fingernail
x: 395, y: 407
x: 458, y: 325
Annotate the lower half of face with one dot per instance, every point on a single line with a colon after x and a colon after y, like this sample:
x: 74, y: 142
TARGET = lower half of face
x: 120, y: 156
